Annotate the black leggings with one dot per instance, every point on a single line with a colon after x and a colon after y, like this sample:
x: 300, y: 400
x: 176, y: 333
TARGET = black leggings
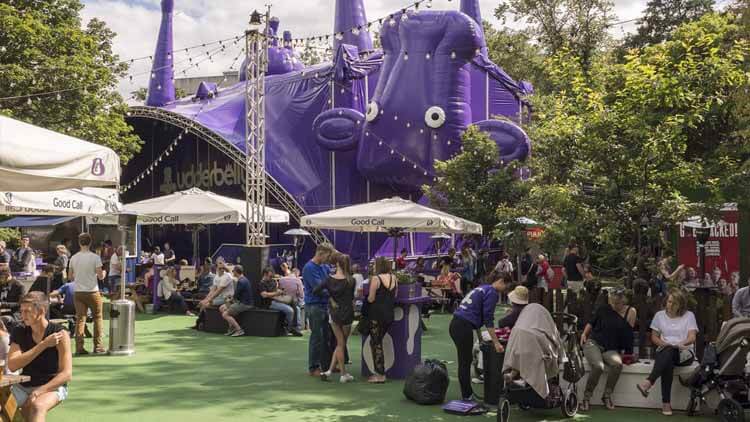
x: 377, y: 332
x: 462, y: 333
x: 664, y: 363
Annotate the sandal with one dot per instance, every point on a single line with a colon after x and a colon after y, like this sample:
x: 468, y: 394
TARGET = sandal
x: 643, y: 392
x: 608, y: 403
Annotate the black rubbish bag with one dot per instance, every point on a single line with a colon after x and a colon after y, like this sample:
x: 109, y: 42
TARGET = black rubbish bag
x: 427, y: 383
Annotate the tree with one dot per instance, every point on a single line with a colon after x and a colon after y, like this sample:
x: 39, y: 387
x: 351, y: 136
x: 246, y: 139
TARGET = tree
x: 516, y: 54
x: 474, y: 184
x: 141, y: 93
x: 662, y: 17
x: 645, y: 139
x: 44, y: 49
x: 312, y: 54
x: 579, y: 26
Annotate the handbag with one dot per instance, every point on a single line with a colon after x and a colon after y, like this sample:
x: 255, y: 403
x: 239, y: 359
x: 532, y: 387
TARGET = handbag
x: 687, y: 357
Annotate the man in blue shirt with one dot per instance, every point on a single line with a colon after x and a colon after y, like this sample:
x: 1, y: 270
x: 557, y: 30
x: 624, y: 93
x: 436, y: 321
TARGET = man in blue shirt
x: 67, y: 291
x: 316, y: 306
x: 476, y: 310
x: 241, y: 301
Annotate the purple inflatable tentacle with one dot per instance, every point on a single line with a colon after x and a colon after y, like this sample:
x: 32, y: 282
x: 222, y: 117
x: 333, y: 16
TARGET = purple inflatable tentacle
x: 350, y: 14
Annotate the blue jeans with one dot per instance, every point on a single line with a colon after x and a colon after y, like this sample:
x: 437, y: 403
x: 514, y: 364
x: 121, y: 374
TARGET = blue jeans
x: 317, y: 315
x: 287, y: 310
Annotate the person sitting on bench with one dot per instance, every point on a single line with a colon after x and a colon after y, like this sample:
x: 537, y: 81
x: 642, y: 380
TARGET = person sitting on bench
x: 11, y: 290
x: 169, y: 293
x: 222, y: 289
x: 269, y: 289
x: 241, y: 302
x: 64, y: 304
x: 42, y: 349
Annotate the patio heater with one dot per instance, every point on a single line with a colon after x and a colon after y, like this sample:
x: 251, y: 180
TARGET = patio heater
x: 122, y: 311
x: 298, y: 240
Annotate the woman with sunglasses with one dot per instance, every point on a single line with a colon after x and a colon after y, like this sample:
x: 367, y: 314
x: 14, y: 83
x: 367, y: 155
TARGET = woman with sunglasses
x: 609, y: 333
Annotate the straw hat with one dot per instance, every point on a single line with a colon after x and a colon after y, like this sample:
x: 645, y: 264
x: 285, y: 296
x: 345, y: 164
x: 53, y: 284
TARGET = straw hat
x: 519, y: 296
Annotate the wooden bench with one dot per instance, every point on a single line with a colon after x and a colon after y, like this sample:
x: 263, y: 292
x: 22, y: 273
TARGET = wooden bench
x: 255, y: 322
x: 626, y: 395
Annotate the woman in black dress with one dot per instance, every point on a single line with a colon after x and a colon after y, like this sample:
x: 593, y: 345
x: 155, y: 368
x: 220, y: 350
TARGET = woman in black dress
x: 381, y: 300
x: 340, y: 287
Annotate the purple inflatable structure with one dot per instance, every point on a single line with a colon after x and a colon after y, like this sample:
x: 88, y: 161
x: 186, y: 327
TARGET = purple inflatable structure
x: 365, y: 126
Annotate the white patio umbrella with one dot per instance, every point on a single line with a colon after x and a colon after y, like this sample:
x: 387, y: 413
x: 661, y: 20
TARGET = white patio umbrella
x: 192, y: 206
x: 69, y: 202
x: 394, y: 216
x: 40, y: 160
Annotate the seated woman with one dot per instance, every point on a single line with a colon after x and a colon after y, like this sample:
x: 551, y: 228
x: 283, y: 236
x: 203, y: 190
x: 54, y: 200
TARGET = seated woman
x: 673, y: 332
x: 518, y: 298
x: 609, y: 333
x: 449, y: 283
x: 42, y: 349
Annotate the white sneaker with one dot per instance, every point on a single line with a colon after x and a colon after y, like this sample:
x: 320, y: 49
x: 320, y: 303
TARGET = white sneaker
x: 346, y: 378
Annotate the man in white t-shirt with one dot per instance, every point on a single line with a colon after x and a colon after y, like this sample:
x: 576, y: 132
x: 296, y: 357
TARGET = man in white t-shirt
x: 84, y: 270
x: 222, y: 289
x: 157, y: 257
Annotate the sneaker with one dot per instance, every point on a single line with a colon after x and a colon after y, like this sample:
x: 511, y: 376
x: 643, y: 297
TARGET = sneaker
x: 295, y: 333
x: 346, y: 378
x: 229, y: 332
x: 477, y: 381
x: 325, y: 376
x: 238, y: 333
x: 100, y: 351
x: 82, y: 352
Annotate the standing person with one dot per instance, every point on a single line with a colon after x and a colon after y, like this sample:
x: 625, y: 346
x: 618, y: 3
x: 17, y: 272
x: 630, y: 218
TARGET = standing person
x: 609, y: 334
x: 665, y: 274
x: 106, y: 253
x: 469, y: 261
x: 241, y: 302
x: 527, y: 261
x: 475, y: 311
x: 42, y: 349
x: 381, y: 300
x: 23, y: 257
x: 483, y: 264
x: 169, y: 256
x: 673, y: 332
x: 504, y: 265
x: 573, y: 269
x: 85, y: 270
x: 61, y: 264
x: 316, y: 307
x: 115, y: 271
x: 157, y: 257
x: 340, y: 287
x: 401, y: 260
x: 269, y: 290
x: 5, y: 257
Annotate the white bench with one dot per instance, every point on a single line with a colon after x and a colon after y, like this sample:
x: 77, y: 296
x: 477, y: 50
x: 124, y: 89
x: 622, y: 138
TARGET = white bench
x: 627, y: 395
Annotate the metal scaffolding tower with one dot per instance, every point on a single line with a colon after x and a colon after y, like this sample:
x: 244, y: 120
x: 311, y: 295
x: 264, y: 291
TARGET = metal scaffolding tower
x: 256, y: 49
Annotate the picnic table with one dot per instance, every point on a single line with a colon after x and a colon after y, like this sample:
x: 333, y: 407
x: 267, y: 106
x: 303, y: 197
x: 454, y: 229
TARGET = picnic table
x: 7, y: 401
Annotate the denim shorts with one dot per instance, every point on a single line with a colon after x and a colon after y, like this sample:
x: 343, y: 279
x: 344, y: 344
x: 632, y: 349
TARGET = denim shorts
x: 21, y: 393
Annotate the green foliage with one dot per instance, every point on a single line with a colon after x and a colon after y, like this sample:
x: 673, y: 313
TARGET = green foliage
x: 45, y: 48
x: 662, y: 17
x: 647, y: 138
x: 474, y: 184
x: 141, y: 93
x: 10, y: 236
x: 579, y: 26
x: 516, y: 54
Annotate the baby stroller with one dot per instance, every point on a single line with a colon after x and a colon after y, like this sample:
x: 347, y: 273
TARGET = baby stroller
x: 723, y: 370
x: 532, y: 364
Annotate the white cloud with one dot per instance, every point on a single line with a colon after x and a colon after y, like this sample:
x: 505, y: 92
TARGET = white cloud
x: 198, y: 21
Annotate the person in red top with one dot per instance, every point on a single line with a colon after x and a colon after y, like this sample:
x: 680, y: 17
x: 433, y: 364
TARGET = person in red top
x: 401, y: 260
x: 543, y: 274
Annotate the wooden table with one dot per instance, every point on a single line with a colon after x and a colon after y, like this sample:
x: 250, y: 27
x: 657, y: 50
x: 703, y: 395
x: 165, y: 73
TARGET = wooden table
x: 7, y: 401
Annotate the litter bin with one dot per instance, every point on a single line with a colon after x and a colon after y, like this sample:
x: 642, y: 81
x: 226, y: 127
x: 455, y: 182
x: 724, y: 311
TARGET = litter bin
x: 122, y: 328
x: 492, y: 368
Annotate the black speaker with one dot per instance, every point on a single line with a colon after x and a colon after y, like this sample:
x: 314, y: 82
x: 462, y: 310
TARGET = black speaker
x: 253, y: 259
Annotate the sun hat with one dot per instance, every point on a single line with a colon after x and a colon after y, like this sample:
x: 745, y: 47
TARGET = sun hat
x: 519, y: 296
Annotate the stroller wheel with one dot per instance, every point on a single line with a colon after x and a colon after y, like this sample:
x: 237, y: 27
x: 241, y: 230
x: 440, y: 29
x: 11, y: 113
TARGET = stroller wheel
x: 523, y: 406
x: 503, y: 410
x: 731, y: 410
x: 569, y: 405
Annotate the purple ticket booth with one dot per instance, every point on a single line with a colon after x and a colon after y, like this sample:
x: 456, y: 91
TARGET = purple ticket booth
x: 402, y: 345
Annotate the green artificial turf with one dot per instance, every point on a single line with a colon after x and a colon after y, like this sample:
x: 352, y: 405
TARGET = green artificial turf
x: 180, y: 375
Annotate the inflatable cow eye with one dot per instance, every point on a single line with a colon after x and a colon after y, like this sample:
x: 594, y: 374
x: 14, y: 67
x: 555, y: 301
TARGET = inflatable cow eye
x: 434, y: 117
x: 373, y: 111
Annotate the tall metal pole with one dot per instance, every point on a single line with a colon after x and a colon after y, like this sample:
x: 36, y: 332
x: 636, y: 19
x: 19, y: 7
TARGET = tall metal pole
x: 256, y: 51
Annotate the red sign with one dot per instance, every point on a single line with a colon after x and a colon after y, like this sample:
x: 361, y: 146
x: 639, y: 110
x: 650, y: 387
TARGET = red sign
x: 722, y: 248
x: 534, y: 233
